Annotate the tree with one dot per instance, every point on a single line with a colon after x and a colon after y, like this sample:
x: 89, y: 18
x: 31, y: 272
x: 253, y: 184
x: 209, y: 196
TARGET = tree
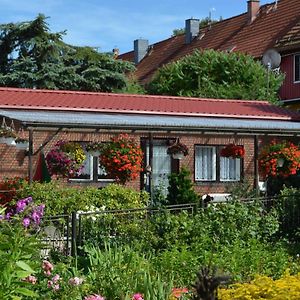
x: 33, y: 57
x: 215, y: 74
x: 181, y: 190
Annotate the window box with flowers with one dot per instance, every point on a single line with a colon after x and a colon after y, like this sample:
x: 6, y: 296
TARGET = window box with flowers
x: 233, y: 151
x: 22, y: 143
x: 93, y: 148
x: 121, y: 158
x: 280, y: 159
x: 7, y: 136
x: 178, y: 150
x: 66, y: 159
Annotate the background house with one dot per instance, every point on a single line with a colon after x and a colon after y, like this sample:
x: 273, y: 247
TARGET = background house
x: 271, y: 26
x: 205, y: 126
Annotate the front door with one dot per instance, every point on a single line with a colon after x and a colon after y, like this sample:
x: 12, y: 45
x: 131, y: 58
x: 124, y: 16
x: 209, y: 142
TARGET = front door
x: 161, y: 167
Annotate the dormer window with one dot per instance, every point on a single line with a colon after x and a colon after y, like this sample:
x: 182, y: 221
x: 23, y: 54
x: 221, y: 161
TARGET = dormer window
x: 297, y: 68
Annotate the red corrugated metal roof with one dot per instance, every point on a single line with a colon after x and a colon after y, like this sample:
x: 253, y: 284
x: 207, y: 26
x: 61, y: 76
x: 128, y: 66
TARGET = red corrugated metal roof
x: 273, y: 22
x: 140, y: 104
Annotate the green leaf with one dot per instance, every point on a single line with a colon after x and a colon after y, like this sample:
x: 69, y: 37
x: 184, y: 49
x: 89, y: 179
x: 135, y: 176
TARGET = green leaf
x: 22, y: 274
x: 26, y: 292
x: 24, y: 266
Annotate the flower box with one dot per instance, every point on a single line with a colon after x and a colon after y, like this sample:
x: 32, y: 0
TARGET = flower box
x: 233, y: 151
x: 10, y: 141
x: 279, y: 159
x: 22, y: 144
x: 178, y: 150
x: 93, y: 148
x: 7, y: 136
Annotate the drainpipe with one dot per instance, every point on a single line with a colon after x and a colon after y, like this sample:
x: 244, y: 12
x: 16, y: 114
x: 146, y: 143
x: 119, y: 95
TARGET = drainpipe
x: 30, y: 155
x: 150, y: 164
x: 256, y: 185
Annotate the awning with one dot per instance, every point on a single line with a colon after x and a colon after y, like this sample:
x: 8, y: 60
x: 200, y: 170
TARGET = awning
x: 78, y: 120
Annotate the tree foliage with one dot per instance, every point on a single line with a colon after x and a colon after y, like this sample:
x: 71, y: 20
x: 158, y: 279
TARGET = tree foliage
x: 215, y: 74
x: 33, y: 57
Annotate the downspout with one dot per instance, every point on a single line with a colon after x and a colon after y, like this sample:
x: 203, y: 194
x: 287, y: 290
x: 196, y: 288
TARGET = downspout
x: 151, y: 164
x: 256, y: 179
x: 30, y: 155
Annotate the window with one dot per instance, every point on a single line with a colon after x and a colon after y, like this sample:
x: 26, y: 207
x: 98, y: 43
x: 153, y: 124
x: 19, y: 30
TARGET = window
x: 211, y: 167
x: 230, y: 169
x: 91, y: 170
x: 297, y: 68
x: 205, y: 163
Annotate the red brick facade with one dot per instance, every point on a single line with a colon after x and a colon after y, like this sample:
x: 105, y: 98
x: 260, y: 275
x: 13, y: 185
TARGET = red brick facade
x: 15, y: 163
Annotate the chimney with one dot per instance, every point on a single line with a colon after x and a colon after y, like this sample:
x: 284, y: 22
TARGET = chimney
x: 253, y: 8
x: 140, y: 49
x: 191, y: 29
x: 116, y: 53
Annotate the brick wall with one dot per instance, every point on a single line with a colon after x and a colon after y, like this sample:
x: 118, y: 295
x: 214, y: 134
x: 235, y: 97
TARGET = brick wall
x: 15, y: 163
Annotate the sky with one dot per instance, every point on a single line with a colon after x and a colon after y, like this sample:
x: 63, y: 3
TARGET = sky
x: 116, y: 24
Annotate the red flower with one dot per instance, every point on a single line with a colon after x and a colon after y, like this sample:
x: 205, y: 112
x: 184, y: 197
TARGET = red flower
x: 233, y: 151
x: 122, y: 158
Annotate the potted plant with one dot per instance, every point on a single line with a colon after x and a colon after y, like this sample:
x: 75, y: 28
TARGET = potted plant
x: 22, y: 143
x: 280, y: 159
x: 233, y: 151
x: 66, y: 159
x: 7, y: 136
x: 178, y: 150
x: 93, y: 148
x: 122, y: 158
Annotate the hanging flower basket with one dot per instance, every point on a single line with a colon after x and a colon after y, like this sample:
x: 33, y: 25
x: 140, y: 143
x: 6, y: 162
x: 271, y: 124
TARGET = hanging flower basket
x: 22, y: 143
x: 233, y: 151
x: 7, y: 136
x: 93, y: 148
x: 121, y: 158
x: 178, y: 150
x: 66, y: 159
x: 279, y: 159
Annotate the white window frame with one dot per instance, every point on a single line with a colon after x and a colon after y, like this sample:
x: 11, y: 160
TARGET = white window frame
x: 91, y: 178
x: 296, y: 56
x: 213, y: 163
x: 237, y: 170
x: 216, y: 165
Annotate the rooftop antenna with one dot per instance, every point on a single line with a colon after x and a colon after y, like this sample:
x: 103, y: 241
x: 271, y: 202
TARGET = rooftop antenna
x: 210, y: 16
x: 271, y: 60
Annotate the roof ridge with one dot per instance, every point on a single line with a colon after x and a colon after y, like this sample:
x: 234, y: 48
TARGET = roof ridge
x: 18, y: 90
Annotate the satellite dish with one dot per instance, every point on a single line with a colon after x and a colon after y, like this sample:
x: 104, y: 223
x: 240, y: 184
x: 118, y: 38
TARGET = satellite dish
x: 271, y: 59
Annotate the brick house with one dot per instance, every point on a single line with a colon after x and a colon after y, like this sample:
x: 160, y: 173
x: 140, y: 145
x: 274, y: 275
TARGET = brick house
x: 204, y: 125
x: 262, y: 27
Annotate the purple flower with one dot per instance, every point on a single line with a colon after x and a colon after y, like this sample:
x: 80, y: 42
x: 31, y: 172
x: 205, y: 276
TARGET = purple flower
x: 26, y: 222
x: 8, y: 216
x: 21, y: 205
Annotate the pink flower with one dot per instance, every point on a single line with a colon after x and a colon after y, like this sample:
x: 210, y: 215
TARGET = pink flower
x: 75, y: 281
x: 94, y: 297
x: 56, y: 278
x: 31, y: 279
x: 137, y: 296
x: 47, y: 267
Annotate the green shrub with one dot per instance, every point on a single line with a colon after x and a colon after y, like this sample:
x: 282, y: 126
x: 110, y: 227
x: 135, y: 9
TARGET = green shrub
x: 181, y: 189
x: 62, y: 199
x: 288, y: 206
x: 118, y: 272
x: 19, y: 253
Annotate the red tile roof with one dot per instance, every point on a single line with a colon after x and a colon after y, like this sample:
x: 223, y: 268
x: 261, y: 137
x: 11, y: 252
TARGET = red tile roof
x: 272, y: 24
x: 13, y: 98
